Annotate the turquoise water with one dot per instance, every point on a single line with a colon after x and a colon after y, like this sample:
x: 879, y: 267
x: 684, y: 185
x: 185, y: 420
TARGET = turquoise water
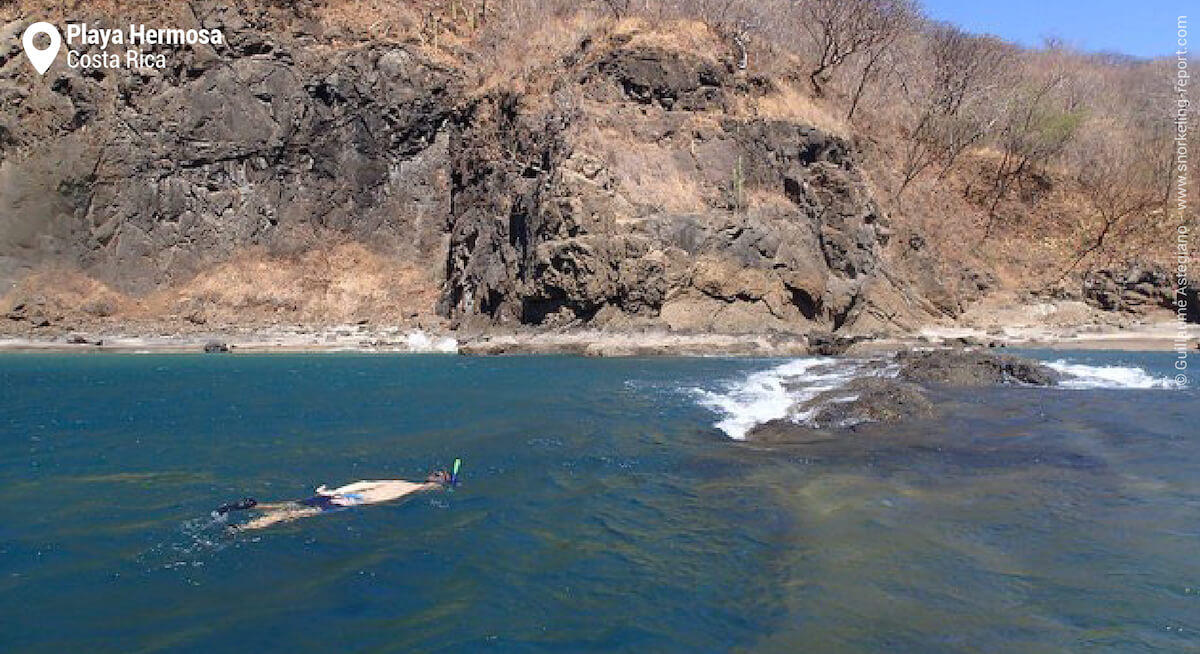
x: 600, y: 510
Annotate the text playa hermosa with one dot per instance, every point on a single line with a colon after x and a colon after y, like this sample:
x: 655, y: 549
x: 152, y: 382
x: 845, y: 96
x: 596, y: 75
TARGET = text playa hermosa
x: 137, y: 34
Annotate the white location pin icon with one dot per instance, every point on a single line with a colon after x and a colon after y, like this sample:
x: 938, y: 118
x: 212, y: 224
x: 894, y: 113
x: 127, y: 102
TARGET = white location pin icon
x: 41, y: 59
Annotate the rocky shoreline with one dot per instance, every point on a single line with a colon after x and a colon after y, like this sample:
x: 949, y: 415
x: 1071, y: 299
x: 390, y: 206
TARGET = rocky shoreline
x: 336, y: 338
x: 573, y: 341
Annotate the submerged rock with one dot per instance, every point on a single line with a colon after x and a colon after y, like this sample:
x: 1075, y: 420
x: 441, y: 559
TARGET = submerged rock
x: 871, y: 399
x: 786, y: 431
x: 867, y: 400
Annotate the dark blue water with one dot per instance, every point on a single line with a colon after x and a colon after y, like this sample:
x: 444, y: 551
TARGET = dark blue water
x: 599, y: 511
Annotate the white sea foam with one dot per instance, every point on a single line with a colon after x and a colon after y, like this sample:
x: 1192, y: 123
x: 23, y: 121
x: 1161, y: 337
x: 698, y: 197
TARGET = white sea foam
x: 419, y: 341
x: 770, y: 394
x: 1084, y: 376
x: 783, y: 391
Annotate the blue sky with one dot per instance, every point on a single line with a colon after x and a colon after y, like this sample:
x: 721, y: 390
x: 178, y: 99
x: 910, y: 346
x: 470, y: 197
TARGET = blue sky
x: 1143, y: 28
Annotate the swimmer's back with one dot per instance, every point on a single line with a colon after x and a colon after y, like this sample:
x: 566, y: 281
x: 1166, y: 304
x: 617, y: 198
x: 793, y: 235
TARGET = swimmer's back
x: 370, y: 492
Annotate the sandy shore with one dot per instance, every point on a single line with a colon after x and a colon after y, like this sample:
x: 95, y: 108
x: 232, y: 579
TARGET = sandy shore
x: 1157, y: 336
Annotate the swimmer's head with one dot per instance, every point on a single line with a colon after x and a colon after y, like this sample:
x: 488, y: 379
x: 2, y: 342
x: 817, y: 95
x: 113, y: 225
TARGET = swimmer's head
x: 439, y: 477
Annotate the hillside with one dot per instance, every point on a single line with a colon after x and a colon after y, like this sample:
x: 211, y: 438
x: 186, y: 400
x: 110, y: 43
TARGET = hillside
x: 419, y: 164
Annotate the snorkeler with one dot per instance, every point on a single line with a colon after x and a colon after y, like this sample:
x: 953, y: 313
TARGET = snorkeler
x: 344, y: 497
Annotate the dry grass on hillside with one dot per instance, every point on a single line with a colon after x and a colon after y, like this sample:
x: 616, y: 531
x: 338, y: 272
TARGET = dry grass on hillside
x: 347, y: 282
x: 343, y: 284
x: 1036, y: 236
x: 648, y: 173
x: 118, y: 11
x: 651, y: 176
x: 373, y: 19
x: 788, y: 101
x: 56, y: 291
x: 537, y: 62
x: 691, y: 36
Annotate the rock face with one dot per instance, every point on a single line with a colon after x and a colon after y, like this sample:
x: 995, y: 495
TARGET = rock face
x: 275, y: 140
x: 823, y: 343
x: 635, y: 182
x: 630, y: 188
x: 671, y: 80
x: 1137, y: 288
x: 680, y: 215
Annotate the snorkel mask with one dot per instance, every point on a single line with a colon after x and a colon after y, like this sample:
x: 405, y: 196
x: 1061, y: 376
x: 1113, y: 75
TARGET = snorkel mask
x: 448, y: 479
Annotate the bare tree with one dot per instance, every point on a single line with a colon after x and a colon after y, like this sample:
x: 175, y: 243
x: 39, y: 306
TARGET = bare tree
x: 961, y: 73
x: 1116, y: 170
x: 741, y: 22
x: 1035, y: 130
x: 1149, y: 109
x: 619, y: 8
x: 841, y: 29
x: 904, y: 20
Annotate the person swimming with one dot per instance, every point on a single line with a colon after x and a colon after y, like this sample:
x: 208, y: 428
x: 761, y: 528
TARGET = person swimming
x: 337, y: 499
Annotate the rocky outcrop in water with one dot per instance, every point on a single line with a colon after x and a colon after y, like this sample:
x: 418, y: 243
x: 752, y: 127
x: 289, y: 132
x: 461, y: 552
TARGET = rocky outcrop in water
x: 906, y: 397
x: 972, y: 368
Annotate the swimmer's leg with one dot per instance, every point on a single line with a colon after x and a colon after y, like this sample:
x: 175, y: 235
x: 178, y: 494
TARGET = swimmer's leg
x: 275, y: 506
x: 251, y: 503
x: 278, y: 513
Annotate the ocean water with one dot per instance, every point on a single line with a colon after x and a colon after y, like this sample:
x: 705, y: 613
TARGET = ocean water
x: 606, y: 505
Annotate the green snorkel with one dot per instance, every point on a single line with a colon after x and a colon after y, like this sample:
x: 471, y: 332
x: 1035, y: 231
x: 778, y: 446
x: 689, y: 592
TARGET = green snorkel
x: 454, y: 472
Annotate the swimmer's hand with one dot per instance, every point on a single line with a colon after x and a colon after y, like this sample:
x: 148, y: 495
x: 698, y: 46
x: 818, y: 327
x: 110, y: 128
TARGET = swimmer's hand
x: 322, y: 490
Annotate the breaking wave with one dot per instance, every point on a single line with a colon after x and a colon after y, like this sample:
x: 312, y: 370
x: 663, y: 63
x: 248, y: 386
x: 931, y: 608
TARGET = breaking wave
x: 1084, y: 376
x: 787, y: 390
x: 419, y: 341
x: 770, y: 394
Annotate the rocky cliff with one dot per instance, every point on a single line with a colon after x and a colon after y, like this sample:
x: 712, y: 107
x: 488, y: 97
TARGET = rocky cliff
x: 145, y: 178
x: 629, y: 182
x: 639, y: 195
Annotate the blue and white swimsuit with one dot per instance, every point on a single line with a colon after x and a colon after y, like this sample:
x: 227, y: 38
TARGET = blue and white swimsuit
x: 327, y: 502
